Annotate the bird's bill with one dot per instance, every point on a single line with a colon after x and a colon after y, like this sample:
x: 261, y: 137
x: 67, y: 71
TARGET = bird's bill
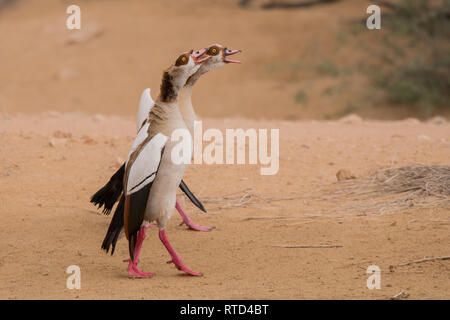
x: 228, y: 52
x: 197, y: 54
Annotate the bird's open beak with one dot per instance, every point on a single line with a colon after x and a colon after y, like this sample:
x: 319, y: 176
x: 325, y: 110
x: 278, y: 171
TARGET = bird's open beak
x: 197, y: 54
x: 228, y: 52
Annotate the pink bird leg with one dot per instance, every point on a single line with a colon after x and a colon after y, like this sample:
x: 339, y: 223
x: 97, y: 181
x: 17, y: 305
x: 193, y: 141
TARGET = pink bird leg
x: 176, y: 260
x: 188, y: 221
x: 133, y: 270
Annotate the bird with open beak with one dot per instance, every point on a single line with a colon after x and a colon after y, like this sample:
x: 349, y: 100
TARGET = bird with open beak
x: 219, y: 57
x: 151, y: 177
x: 107, y: 196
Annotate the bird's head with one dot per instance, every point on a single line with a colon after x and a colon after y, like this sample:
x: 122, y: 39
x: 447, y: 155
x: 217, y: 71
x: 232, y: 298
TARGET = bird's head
x: 218, y: 56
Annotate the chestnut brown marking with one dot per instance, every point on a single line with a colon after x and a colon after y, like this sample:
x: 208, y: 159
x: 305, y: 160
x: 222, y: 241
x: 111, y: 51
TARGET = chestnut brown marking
x: 182, y: 60
x: 211, y: 51
x: 126, y: 213
x: 167, y: 90
x: 156, y: 114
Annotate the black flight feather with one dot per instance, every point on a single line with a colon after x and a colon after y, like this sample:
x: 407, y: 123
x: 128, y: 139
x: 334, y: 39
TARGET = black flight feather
x: 109, y: 194
x: 115, y: 227
x: 191, y: 196
x: 138, y: 203
x: 117, y: 222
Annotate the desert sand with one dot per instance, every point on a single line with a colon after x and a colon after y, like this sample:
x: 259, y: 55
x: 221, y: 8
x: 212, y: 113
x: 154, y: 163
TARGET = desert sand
x: 52, y: 163
x: 67, y: 120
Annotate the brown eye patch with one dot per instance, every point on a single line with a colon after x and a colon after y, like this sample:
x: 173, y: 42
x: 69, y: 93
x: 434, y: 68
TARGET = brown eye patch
x: 213, y: 51
x: 183, y: 59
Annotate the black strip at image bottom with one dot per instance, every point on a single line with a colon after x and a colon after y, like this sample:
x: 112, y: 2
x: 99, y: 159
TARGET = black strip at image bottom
x: 230, y: 309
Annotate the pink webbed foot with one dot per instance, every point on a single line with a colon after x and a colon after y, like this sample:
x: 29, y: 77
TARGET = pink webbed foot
x: 196, y: 227
x: 176, y: 260
x: 180, y: 266
x: 134, y: 272
x: 187, y: 221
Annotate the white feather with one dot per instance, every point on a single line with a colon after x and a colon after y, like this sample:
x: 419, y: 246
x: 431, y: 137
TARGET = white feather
x: 146, y: 163
x: 145, y: 105
x: 140, y: 137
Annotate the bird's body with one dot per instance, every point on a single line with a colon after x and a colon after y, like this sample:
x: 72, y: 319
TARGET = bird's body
x: 109, y: 194
x: 150, y: 178
x: 152, y: 175
x: 164, y: 119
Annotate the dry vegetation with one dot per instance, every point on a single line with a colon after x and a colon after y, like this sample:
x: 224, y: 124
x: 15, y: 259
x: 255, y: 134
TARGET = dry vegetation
x: 393, y: 190
x: 386, y: 191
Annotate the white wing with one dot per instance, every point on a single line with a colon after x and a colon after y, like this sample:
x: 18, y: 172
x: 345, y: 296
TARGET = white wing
x: 140, y: 137
x: 143, y: 169
x: 145, y: 105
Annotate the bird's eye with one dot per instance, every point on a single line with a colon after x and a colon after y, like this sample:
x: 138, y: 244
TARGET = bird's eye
x: 212, y: 51
x: 183, y: 59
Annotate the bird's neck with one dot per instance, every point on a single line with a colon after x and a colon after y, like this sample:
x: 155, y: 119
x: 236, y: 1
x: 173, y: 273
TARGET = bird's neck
x: 166, y: 106
x: 164, y: 117
x: 170, y: 87
x: 186, y: 108
x: 193, y: 79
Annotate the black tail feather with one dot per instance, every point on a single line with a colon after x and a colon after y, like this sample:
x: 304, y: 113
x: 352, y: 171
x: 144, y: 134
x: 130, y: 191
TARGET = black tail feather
x: 115, y: 227
x: 191, y: 196
x: 117, y: 222
x: 109, y: 194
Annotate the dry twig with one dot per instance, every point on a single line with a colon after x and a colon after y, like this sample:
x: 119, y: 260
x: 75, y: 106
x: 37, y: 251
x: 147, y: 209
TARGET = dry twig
x: 294, y: 5
x: 400, y: 295
x: 309, y: 246
x: 265, y: 217
x: 425, y: 260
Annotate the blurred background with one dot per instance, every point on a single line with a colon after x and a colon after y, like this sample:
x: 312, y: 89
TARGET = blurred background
x: 311, y: 59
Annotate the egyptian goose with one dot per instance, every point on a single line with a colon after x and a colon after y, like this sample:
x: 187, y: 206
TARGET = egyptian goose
x: 109, y: 194
x: 151, y: 176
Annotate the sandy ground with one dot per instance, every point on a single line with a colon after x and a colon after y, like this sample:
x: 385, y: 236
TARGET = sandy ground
x: 47, y: 222
x: 67, y: 105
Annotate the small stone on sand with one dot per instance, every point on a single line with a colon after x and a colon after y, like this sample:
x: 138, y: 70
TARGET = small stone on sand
x: 56, y: 142
x: 88, y: 140
x: 62, y: 135
x: 423, y: 137
x: 437, y: 120
x: 344, y: 174
x: 351, y: 119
